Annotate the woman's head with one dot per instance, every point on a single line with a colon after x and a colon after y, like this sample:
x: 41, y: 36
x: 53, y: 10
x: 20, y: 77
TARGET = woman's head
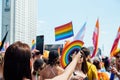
x: 17, y: 57
x: 86, y: 52
x: 116, y: 54
x: 53, y: 58
x: 83, y: 61
x: 113, y: 61
x: 97, y: 64
x: 106, y: 62
x: 38, y: 65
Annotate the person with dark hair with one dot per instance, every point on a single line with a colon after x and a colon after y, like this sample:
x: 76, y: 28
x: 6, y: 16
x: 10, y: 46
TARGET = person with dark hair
x: 101, y: 75
x: 87, y: 53
x: 81, y: 68
x: 52, y: 69
x: 53, y: 58
x: 69, y: 69
x: 92, y: 71
x: 38, y: 65
x: 35, y: 55
x: 106, y: 63
x: 17, y: 62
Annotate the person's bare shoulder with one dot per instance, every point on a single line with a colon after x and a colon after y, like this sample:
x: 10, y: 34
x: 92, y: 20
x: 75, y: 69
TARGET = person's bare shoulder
x: 60, y: 69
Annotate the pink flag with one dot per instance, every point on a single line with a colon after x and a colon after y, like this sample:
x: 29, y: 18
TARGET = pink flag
x: 81, y: 33
x: 95, y: 38
x: 115, y: 44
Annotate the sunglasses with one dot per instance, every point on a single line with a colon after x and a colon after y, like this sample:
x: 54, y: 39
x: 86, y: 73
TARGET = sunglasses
x: 117, y: 56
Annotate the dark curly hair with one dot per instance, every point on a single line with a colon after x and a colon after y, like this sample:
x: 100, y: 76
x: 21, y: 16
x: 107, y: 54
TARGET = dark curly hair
x: 38, y: 64
x: 53, y: 58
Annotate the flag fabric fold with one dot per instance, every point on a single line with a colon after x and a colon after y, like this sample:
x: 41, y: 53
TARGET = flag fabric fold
x: 64, y: 31
x: 81, y: 33
x: 115, y: 43
x: 95, y: 38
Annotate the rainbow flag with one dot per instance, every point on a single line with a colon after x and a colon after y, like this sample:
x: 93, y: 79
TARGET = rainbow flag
x: 81, y: 33
x: 115, y: 44
x: 66, y: 43
x: 68, y: 50
x: 64, y: 31
x: 33, y: 45
x: 95, y: 38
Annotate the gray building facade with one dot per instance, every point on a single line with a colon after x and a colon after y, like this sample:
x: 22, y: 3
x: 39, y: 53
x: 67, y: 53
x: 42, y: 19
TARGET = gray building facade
x: 19, y: 18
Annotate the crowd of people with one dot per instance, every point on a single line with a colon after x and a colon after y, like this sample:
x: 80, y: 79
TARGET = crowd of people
x: 18, y: 62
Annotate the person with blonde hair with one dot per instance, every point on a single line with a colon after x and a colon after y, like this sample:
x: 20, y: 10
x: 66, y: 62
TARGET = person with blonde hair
x: 115, y: 70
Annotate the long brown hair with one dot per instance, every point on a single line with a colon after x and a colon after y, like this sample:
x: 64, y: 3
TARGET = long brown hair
x: 17, y: 62
x: 84, y: 63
